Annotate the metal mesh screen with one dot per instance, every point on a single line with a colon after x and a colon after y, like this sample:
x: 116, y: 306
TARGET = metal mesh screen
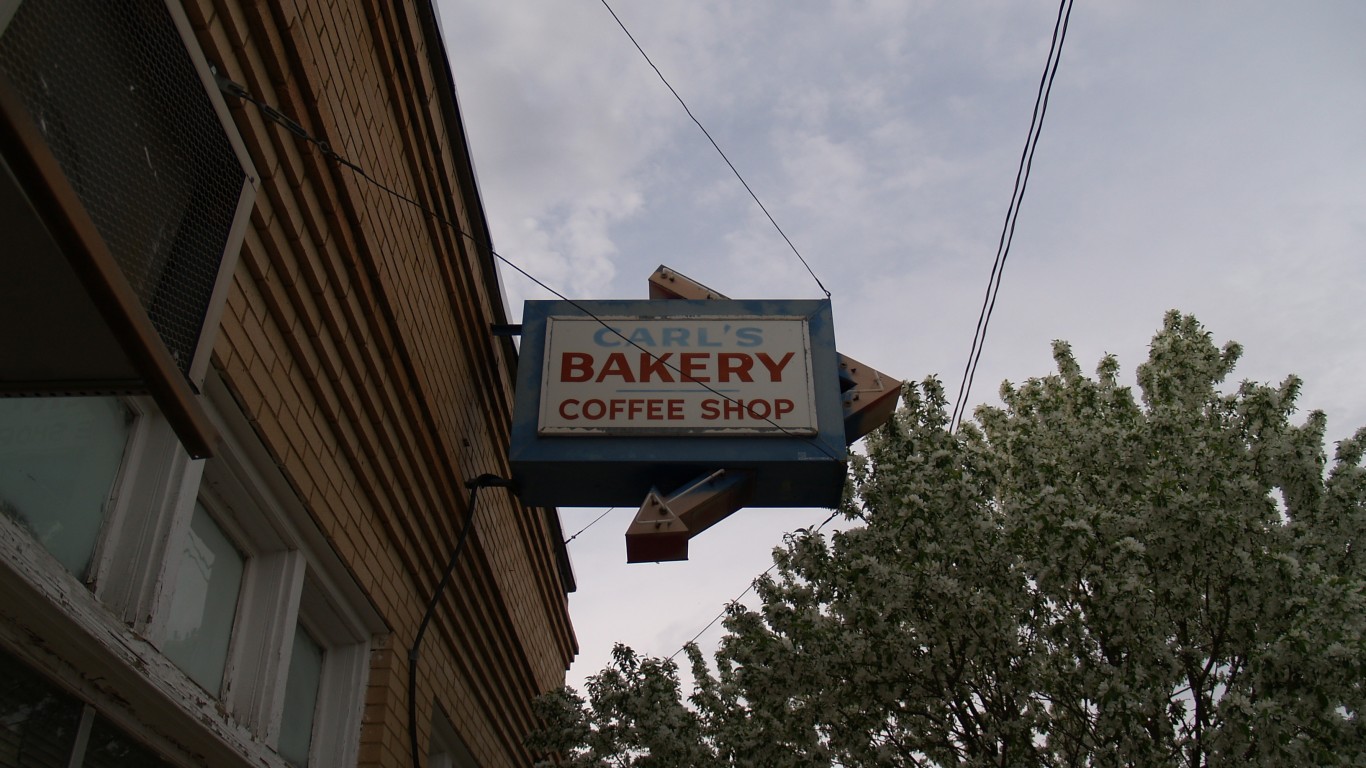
x: 114, y: 92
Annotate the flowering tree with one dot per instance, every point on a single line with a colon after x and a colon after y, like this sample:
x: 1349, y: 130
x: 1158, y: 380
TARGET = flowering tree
x: 1079, y: 578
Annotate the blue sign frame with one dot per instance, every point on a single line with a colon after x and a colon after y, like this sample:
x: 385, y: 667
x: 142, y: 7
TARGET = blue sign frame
x: 612, y: 470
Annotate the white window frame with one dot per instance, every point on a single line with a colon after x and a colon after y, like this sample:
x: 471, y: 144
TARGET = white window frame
x: 95, y: 655
x: 294, y: 578
x: 291, y: 576
x: 240, y: 631
x: 150, y: 507
x: 346, y: 665
x: 153, y: 489
x: 272, y: 579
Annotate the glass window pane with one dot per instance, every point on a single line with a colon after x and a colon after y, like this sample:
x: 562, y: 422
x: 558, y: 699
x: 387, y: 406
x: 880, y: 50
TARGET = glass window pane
x: 301, y: 698
x: 38, y: 722
x: 111, y: 748
x: 59, y: 457
x: 204, y: 602
x: 446, y: 749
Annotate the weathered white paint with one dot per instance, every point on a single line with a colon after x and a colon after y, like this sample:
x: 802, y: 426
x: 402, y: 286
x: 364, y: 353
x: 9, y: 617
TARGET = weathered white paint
x: 268, y: 515
x: 50, y: 620
x: 262, y: 641
x: 149, y: 505
x: 101, y: 646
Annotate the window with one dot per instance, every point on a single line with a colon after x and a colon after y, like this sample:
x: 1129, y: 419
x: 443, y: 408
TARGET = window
x: 216, y: 564
x: 109, y: 747
x: 330, y: 658
x: 204, y: 602
x: 301, y: 697
x: 59, y: 458
x: 256, y: 608
x: 97, y: 481
x: 40, y: 726
x: 446, y: 749
x: 38, y: 723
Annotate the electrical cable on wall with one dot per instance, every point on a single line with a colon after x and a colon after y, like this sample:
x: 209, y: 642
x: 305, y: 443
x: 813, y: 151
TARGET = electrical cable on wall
x: 1012, y: 212
x: 482, y: 481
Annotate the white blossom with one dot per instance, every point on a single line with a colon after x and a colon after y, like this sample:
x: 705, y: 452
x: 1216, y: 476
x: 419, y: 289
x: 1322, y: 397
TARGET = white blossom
x: 1079, y: 578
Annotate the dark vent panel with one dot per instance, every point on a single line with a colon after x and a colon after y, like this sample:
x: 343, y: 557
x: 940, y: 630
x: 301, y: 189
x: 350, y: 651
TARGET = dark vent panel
x: 116, y: 97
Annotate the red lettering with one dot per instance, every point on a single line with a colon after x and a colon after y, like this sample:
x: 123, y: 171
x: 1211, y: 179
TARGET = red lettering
x: 617, y: 366
x: 621, y: 409
x: 656, y: 409
x: 775, y: 370
x: 694, y: 365
x: 709, y: 411
x: 576, y: 366
x: 734, y: 363
x: 652, y: 365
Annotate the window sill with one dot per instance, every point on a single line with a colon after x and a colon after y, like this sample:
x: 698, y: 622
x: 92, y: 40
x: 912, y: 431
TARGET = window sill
x: 51, y: 621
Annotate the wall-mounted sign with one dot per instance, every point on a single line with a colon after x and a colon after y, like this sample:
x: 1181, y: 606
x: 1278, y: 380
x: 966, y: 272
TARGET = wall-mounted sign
x: 616, y: 398
x: 740, y: 375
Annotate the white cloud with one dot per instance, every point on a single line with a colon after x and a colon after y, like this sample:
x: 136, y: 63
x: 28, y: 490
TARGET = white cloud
x: 1205, y: 157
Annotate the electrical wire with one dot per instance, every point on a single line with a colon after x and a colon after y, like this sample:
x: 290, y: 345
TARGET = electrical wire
x: 741, y: 596
x: 718, y: 149
x: 590, y: 525
x: 1012, y: 211
x: 274, y: 115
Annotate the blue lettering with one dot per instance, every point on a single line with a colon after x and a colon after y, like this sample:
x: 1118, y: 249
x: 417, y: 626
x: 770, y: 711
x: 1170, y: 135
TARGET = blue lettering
x: 604, y: 334
x: 641, y: 337
x: 675, y: 337
x: 749, y: 337
x: 703, y: 341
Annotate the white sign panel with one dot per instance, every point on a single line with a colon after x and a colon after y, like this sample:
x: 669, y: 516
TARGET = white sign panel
x: 742, y: 375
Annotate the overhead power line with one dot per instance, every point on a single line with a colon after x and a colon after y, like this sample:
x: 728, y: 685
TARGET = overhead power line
x: 276, y: 116
x: 752, y: 582
x: 590, y: 525
x: 1012, y: 212
x: 718, y: 149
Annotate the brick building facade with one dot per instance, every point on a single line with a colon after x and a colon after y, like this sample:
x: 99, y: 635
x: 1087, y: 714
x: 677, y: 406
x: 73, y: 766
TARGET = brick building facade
x: 219, y: 552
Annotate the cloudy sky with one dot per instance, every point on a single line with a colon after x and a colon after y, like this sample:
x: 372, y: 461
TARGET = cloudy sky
x: 1209, y: 157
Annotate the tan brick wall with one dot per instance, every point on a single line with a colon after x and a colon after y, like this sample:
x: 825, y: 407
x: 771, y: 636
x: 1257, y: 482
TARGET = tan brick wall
x: 356, y: 340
